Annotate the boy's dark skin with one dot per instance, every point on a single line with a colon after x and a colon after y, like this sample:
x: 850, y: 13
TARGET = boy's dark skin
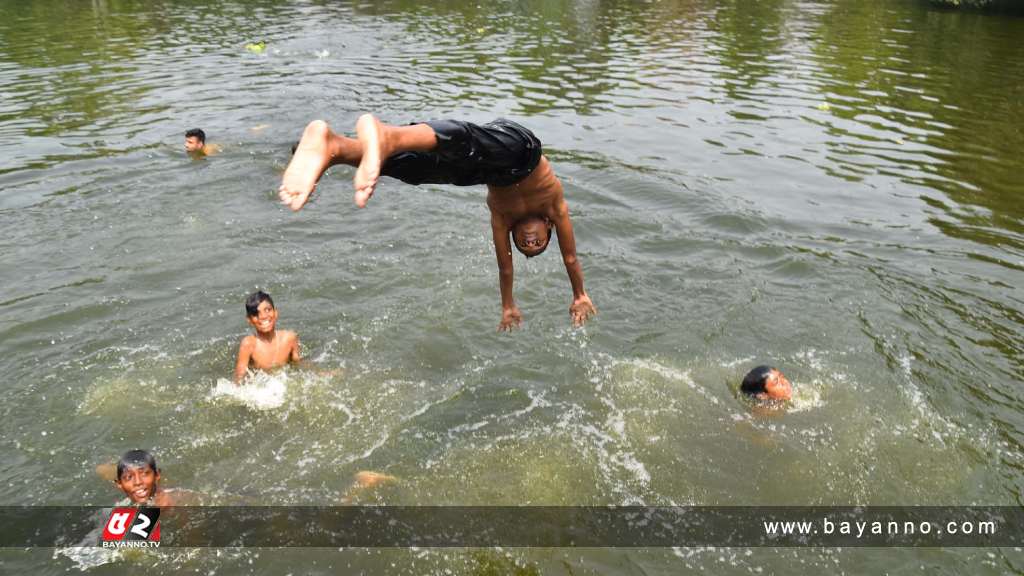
x: 526, y: 210
x: 140, y: 483
x: 268, y: 348
x: 196, y: 146
x: 769, y: 384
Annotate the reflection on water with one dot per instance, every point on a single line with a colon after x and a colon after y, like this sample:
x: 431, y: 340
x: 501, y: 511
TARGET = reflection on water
x: 831, y: 187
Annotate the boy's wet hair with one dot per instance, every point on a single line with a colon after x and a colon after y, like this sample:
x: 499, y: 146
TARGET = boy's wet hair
x: 196, y: 133
x: 754, y: 381
x: 252, y: 303
x: 135, y: 459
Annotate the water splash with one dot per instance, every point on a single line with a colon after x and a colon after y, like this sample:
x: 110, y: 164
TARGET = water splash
x: 259, y: 391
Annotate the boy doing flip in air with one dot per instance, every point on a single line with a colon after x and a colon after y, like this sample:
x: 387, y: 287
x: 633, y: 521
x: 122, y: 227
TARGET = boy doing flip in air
x: 523, y: 193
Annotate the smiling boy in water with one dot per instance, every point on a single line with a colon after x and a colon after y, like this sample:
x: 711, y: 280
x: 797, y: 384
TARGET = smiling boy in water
x: 137, y: 475
x: 268, y: 348
x: 139, y: 478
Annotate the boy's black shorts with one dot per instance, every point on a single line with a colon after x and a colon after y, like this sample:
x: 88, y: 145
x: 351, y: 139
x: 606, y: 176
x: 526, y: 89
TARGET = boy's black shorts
x: 499, y: 153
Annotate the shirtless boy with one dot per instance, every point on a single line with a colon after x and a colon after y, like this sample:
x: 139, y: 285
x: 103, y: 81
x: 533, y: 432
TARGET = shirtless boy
x: 137, y: 475
x: 268, y: 348
x: 523, y: 193
x: 139, y: 478
x: 196, y: 146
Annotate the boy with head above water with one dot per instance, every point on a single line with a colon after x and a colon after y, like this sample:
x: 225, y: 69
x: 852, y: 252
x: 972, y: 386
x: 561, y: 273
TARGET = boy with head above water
x: 767, y: 383
x: 269, y: 347
x: 195, y: 143
x: 524, y: 195
x: 137, y: 475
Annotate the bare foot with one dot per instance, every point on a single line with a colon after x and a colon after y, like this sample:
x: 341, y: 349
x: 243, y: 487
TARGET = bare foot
x: 370, y: 132
x: 311, y: 159
x: 363, y: 480
x: 367, y: 479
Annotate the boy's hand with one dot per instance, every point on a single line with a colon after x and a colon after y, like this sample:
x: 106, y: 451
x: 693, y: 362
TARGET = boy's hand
x: 582, y: 309
x: 510, y: 318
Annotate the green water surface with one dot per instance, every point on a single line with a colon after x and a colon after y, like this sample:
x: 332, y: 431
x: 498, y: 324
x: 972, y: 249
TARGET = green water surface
x: 833, y: 187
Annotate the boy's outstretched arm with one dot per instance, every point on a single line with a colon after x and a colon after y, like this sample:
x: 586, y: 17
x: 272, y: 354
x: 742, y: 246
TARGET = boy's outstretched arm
x: 244, y: 353
x: 582, y: 308
x: 107, y: 471
x: 294, y: 357
x: 510, y: 315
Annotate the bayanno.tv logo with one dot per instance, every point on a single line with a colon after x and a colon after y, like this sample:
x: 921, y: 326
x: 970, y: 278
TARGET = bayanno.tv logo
x: 132, y: 528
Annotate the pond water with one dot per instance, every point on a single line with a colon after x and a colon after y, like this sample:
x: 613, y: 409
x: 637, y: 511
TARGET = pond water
x: 833, y: 187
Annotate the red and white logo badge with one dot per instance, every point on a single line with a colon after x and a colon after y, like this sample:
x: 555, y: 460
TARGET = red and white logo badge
x: 132, y: 528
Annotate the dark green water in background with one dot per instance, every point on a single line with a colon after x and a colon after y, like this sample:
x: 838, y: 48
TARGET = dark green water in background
x: 833, y: 187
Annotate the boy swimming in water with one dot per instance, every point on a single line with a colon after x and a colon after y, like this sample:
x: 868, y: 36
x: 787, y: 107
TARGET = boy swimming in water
x: 138, y: 477
x: 767, y: 383
x: 524, y: 195
x: 195, y: 144
x: 268, y: 348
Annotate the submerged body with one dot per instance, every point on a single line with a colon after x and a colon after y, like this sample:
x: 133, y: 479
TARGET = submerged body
x: 766, y: 383
x: 137, y: 475
x: 196, y: 146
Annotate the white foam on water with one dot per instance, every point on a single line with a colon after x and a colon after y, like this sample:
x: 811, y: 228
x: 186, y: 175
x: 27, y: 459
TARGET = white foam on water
x: 536, y: 401
x: 805, y: 398
x: 85, y: 555
x: 454, y: 432
x: 344, y: 409
x: 120, y: 393
x: 811, y: 356
x: 391, y: 388
x: 219, y: 438
x: 929, y: 422
x: 422, y: 409
x: 259, y: 391
x: 669, y: 373
x: 905, y: 360
x: 369, y: 451
x: 609, y: 440
x: 738, y: 362
x: 87, y: 558
x: 666, y: 372
x: 903, y: 421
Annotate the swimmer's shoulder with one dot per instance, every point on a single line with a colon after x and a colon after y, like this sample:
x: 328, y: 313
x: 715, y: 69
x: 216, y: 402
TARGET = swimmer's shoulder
x: 176, y: 497
x: 248, y: 343
x: 292, y: 340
